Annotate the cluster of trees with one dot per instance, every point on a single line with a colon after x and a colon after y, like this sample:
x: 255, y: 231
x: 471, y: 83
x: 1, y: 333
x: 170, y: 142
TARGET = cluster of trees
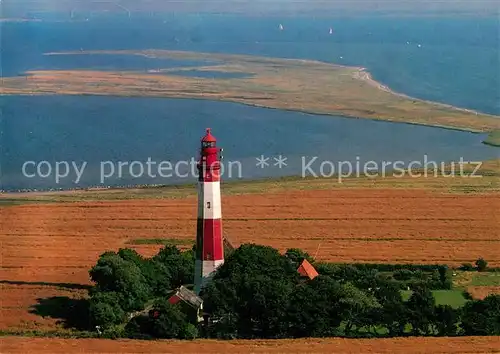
x: 258, y: 293
x: 126, y: 283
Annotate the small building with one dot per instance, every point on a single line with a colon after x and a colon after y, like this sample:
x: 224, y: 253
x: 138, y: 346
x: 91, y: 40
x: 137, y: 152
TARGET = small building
x: 306, y: 269
x: 191, y: 304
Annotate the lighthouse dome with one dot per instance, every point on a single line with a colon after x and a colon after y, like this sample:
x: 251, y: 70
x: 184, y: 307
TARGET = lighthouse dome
x: 209, y: 138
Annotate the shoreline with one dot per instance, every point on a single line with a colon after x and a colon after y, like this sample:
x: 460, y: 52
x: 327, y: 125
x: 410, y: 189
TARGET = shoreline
x: 343, y: 115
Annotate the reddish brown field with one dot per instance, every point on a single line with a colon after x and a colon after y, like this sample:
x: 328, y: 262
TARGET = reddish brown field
x: 329, y: 345
x: 19, y: 301
x: 480, y: 292
x: 58, y: 242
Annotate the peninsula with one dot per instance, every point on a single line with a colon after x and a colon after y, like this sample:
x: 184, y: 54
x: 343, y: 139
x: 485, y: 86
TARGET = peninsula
x: 292, y: 84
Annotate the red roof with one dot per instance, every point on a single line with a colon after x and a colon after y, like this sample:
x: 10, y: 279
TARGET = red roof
x: 307, y: 270
x: 186, y: 295
x: 208, y: 137
x: 174, y: 299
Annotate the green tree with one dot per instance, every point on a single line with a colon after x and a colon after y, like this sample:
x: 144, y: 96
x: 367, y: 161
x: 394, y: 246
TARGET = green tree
x: 421, y: 311
x: 446, y: 320
x: 112, y: 273
x: 249, y: 293
x: 482, y: 317
x: 105, y: 310
x: 442, y: 273
x: 444, y: 277
x: 139, y: 327
x: 467, y: 295
x: 131, y: 255
x: 361, y: 277
x: 156, y: 274
x: 481, y: 265
x: 158, y: 277
x: 296, y: 256
x: 466, y: 267
x: 189, y: 332
x: 220, y: 300
x: 179, y: 265
x: 329, y: 269
x: 267, y: 305
x: 393, y: 314
x: 403, y: 274
x: 357, y: 308
x: 315, y: 308
x: 248, y: 305
x: 171, y: 322
x: 256, y: 260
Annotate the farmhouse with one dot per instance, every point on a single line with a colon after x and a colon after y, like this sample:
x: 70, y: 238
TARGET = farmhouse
x: 191, y: 304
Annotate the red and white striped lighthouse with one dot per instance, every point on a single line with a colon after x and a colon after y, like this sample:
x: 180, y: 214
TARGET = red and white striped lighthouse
x: 209, y: 241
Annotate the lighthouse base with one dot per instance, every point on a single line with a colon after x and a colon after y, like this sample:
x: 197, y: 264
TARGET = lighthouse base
x: 203, y: 273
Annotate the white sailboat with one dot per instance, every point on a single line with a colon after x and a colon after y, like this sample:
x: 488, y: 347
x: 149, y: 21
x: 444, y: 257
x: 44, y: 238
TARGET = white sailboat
x: 331, y: 31
x: 281, y: 27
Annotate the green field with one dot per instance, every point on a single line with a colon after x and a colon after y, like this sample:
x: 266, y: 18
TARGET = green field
x: 454, y: 298
x: 461, y: 282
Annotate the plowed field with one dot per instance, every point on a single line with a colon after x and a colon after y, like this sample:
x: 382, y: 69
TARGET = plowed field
x: 330, y: 345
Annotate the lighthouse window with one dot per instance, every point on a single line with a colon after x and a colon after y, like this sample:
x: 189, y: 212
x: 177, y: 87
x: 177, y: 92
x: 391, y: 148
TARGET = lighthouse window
x: 208, y: 205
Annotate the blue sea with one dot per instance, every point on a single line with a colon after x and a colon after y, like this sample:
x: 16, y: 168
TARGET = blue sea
x: 450, y: 60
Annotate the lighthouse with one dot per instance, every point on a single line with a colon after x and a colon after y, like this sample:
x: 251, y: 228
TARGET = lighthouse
x: 209, y: 241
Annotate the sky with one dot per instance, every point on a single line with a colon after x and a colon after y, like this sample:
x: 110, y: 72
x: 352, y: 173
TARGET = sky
x: 261, y: 6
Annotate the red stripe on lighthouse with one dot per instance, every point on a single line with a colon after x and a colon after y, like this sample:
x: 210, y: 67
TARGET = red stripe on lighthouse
x: 212, y: 240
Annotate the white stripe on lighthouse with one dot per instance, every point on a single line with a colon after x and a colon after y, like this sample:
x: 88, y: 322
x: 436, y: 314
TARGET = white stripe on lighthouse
x: 209, y: 268
x: 211, y: 201
x: 205, y: 270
